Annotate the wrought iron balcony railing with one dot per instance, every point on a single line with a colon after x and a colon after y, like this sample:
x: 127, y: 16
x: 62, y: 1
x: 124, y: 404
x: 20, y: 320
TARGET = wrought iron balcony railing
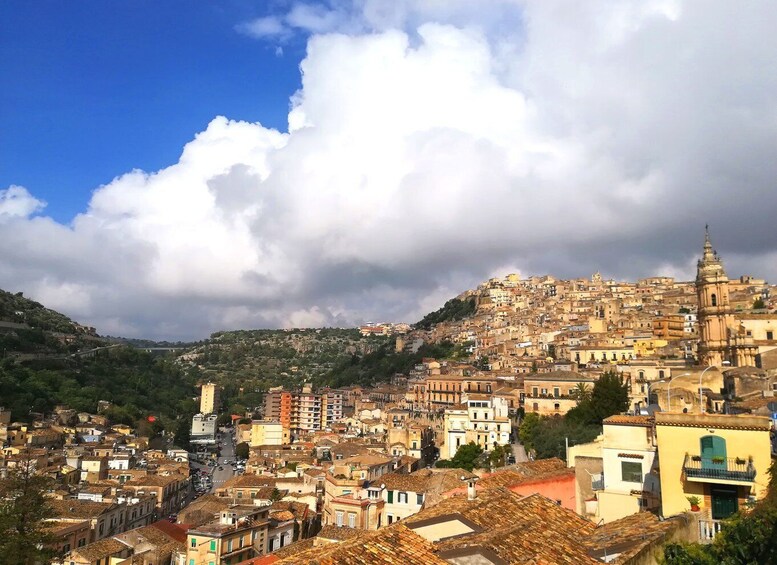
x: 725, y: 468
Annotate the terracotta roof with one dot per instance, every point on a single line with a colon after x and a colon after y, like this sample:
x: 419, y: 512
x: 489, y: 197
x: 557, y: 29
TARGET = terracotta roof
x: 300, y: 510
x: 425, y: 480
x: 335, y: 533
x: 393, y: 545
x: 630, y: 535
x: 176, y: 532
x: 629, y: 420
x: 154, y: 480
x: 281, y: 515
x: 72, y: 508
x: 99, y: 549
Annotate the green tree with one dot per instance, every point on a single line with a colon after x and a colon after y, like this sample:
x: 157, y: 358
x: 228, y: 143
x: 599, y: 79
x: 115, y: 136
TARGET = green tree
x: 527, y: 429
x: 466, y: 457
x: 609, y: 396
x: 498, y: 456
x: 242, y: 450
x: 581, y: 392
x: 275, y: 495
x: 23, y: 509
x: 759, y: 304
x: 182, y: 433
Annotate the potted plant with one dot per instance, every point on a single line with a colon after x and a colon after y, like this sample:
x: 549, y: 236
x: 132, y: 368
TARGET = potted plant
x: 694, y: 502
x: 740, y: 461
x: 718, y: 459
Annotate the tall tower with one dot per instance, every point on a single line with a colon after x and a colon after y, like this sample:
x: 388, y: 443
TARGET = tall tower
x: 210, y: 399
x: 714, y: 314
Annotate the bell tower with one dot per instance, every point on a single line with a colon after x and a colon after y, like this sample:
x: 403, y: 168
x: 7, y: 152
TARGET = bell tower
x: 714, y: 314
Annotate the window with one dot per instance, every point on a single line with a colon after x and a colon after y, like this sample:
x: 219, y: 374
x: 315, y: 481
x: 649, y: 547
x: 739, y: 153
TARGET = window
x: 339, y: 518
x: 213, y: 545
x: 194, y: 542
x: 769, y: 335
x: 534, y: 391
x: 419, y: 499
x: 714, y: 300
x: 557, y: 406
x: 536, y: 406
x: 191, y: 561
x: 556, y: 392
x: 402, y: 498
x: 631, y: 472
x: 390, y: 519
x: 229, y: 546
x: 661, y: 374
x: 390, y: 497
x: 474, y: 415
x: 351, y: 520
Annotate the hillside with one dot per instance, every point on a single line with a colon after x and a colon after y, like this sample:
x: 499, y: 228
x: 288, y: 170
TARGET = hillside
x: 256, y: 360
x: 47, y: 359
x: 29, y: 328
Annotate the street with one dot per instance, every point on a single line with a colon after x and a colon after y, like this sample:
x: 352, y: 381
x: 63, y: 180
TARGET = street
x: 226, y: 442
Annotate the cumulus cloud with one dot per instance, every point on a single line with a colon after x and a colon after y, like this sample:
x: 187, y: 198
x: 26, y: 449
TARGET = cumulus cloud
x: 17, y: 202
x: 432, y: 144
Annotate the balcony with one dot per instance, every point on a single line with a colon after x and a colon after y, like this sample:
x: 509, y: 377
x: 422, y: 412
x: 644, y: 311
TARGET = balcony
x: 718, y: 469
x: 708, y: 529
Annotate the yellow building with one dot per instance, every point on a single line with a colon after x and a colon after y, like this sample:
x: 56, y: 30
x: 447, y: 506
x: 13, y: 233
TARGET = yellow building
x: 239, y: 534
x: 721, y: 459
x: 210, y: 399
x: 648, y: 347
x: 268, y: 433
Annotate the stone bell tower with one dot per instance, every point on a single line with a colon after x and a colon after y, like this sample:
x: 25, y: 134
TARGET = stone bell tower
x: 714, y: 316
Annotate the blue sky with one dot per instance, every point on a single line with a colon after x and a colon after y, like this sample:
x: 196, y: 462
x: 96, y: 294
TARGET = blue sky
x: 432, y: 145
x: 93, y: 89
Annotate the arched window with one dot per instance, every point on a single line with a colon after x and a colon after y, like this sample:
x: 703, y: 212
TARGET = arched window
x: 714, y: 299
x: 642, y: 374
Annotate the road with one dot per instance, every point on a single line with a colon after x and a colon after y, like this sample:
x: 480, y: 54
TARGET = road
x: 227, y: 445
x: 519, y: 452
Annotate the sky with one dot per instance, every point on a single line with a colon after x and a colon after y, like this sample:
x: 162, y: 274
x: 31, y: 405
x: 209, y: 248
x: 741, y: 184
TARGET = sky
x: 169, y: 169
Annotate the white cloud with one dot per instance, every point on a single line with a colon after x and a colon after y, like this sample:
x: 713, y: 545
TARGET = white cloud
x: 269, y: 27
x: 17, y: 202
x: 431, y: 145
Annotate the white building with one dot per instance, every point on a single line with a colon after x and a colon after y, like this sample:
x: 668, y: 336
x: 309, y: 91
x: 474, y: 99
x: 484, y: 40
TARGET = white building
x: 204, y: 428
x: 481, y: 419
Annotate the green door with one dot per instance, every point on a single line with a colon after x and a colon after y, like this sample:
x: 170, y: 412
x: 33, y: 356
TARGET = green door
x: 713, y: 452
x: 724, y: 501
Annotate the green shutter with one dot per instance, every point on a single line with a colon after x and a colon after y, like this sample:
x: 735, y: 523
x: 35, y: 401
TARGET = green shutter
x: 390, y: 496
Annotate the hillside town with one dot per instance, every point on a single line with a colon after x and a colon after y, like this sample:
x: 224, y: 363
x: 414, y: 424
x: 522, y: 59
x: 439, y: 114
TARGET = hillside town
x: 370, y: 474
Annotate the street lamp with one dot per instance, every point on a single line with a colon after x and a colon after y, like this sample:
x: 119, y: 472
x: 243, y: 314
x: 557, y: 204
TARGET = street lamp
x: 701, y: 390
x: 669, y: 388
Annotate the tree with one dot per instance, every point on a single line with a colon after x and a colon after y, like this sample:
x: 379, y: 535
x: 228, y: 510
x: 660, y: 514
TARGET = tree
x: 275, y: 495
x: 527, y: 429
x: 23, y: 509
x: 466, y: 457
x: 759, y: 304
x: 498, y: 455
x: 182, y: 433
x: 609, y: 396
x: 482, y: 363
x: 581, y: 392
x: 242, y: 450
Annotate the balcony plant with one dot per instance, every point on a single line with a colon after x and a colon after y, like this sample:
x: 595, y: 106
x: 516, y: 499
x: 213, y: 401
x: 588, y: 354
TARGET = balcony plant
x: 718, y: 459
x: 740, y: 461
x: 694, y: 502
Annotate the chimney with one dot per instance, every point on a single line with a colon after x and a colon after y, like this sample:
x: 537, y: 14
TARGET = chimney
x: 472, y: 493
